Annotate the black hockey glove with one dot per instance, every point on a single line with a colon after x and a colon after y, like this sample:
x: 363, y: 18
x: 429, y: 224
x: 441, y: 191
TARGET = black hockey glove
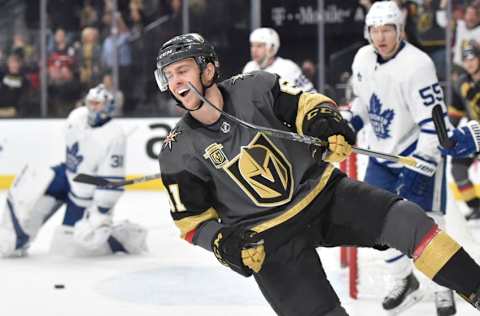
x: 236, y: 249
x: 326, y: 123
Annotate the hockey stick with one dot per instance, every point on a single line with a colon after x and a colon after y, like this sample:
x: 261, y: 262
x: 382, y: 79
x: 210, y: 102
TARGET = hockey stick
x: 439, y: 122
x: 306, y: 139
x: 107, y: 184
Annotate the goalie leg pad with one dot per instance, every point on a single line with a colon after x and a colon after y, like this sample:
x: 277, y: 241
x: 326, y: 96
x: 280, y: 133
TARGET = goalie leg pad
x: 8, y: 240
x: 16, y: 236
x: 91, y: 236
x: 27, y: 189
x: 63, y: 244
x: 131, y: 236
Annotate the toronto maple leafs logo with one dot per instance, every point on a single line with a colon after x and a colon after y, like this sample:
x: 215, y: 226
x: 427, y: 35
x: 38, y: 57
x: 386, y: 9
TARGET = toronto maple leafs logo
x: 170, y: 139
x: 381, y: 120
x: 74, y: 159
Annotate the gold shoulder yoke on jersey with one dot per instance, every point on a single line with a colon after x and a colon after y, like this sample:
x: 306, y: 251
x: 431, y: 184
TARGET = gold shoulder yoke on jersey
x: 307, y: 102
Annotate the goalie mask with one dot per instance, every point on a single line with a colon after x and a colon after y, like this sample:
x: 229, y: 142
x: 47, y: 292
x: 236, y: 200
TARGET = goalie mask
x: 100, y: 104
x: 191, y: 45
x: 384, y: 13
x: 270, y: 38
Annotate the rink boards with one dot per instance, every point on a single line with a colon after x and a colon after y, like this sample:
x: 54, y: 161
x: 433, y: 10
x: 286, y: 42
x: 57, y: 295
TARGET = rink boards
x: 41, y: 141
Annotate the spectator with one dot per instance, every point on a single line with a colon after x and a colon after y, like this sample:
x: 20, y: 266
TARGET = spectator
x: 431, y: 35
x: 59, y: 45
x: 89, y: 58
x: 89, y: 15
x: 117, y: 95
x: 467, y: 28
x: 23, y: 49
x: 13, y: 87
x: 124, y: 60
x: 135, y: 20
x: 63, y: 88
x: 65, y: 14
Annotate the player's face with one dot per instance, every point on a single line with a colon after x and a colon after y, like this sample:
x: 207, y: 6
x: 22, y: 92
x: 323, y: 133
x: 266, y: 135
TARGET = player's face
x: 178, y: 74
x: 384, y: 38
x: 95, y: 105
x: 471, y: 65
x: 259, y: 52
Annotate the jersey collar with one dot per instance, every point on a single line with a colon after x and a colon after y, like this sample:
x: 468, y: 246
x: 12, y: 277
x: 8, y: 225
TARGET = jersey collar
x: 380, y: 60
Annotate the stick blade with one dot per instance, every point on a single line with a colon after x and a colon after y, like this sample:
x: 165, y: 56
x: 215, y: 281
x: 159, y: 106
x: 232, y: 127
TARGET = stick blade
x: 439, y: 122
x: 88, y: 179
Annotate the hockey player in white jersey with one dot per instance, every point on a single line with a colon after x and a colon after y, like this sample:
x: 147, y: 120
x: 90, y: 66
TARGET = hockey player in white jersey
x: 95, y: 145
x: 396, y: 88
x: 264, y: 45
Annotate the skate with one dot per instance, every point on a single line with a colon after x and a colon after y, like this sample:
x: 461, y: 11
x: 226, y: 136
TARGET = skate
x: 404, y: 294
x: 445, y: 303
x: 473, y: 298
x: 474, y: 215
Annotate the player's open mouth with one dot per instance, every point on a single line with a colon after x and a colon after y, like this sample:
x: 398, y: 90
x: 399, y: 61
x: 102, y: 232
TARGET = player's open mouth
x: 183, y: 92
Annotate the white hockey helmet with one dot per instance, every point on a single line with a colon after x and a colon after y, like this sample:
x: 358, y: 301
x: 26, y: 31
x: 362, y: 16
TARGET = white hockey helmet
x: 99, y: 94
x: 268, y: 36
x: 383, y: 13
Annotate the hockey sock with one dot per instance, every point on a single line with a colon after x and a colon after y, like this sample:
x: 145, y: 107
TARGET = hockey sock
x: 444, y: 261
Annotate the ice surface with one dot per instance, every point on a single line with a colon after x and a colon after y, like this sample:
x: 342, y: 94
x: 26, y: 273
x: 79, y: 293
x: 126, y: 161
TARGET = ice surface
x: 174, y: 278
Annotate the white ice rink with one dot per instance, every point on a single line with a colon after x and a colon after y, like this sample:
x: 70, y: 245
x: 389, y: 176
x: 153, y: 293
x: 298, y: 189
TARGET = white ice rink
x: 174, y: 278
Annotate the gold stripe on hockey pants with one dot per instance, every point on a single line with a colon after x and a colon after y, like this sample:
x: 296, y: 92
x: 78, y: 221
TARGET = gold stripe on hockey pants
x: 436, y: 254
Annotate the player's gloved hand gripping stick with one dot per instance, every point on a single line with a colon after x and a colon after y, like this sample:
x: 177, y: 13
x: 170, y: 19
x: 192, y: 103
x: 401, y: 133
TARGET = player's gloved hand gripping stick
x: 465, y: 140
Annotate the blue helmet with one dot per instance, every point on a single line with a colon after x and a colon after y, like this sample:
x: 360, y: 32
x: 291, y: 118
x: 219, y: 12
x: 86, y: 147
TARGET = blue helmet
x: 98, y: 117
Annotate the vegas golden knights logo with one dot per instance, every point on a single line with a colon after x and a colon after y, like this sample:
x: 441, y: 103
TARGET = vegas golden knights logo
x: 215, y: 153
x: 263, y: 172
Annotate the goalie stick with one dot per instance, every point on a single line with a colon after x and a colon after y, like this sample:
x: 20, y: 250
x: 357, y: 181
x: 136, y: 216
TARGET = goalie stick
x: 406, y: 161
x: 107, y: 184
x: 439, y: 122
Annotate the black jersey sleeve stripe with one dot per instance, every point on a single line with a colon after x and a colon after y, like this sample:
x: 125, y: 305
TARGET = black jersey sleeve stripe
x: 285, y: 105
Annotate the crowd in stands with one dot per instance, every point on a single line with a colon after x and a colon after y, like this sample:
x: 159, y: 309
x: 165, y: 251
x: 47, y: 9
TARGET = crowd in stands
x: 81, y: 54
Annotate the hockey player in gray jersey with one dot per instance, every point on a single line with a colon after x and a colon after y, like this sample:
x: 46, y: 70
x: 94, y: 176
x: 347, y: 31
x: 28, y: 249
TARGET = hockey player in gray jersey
x: 262, y: 204
x: 95, y: 145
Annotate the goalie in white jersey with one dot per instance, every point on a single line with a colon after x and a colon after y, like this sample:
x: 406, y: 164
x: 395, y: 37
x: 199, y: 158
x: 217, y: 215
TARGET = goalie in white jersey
x: 396, y: 88
x: 95, y: 145
x: 264, y: 45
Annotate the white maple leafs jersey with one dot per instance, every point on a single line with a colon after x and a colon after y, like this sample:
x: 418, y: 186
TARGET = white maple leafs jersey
x: 98, y: 151
x: 287, y: 70
x: 395, y: 98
